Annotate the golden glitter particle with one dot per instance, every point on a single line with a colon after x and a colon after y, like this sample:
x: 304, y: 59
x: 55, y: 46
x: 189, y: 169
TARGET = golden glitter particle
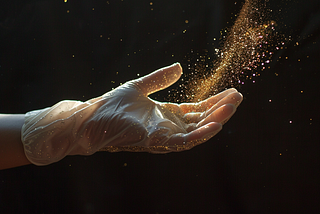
x: 280, y: 154
x: 93, y: 8
x: 125, y: 164
x: 65, y: 1
x: 100, y: 36
x: 73, y: 56
x: 68, y: 11
x: 151, y: 3
x: 186, y: 21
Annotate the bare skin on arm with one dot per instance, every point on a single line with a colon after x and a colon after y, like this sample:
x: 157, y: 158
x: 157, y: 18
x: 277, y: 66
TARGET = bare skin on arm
x: 11, y: 148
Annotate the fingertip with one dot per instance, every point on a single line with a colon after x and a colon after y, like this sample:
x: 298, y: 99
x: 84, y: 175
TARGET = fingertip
x: 178, y: 66
x: 159, y: 79
x: 237, y: 97
x: 229, y: 108
x: 231, y: 90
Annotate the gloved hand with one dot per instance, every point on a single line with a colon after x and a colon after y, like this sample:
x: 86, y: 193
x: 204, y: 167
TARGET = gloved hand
x: 125, y: 119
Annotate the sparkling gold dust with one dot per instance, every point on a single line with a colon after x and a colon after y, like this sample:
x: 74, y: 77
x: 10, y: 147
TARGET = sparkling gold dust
x: 244, y: 49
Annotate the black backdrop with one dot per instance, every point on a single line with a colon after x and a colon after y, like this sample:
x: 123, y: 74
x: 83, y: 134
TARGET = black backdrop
x: 259, y: 163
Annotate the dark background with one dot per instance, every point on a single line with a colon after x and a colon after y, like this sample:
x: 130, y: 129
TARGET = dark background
x: 259, y: 162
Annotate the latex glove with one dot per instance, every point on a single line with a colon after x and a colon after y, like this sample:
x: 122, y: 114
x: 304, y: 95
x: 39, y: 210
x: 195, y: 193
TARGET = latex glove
x: 125, y: 119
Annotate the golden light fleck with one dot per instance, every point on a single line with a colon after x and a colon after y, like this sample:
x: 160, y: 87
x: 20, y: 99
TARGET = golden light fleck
x: 65, y: 1
x: 68, y: 11
x: 125, y: 164
x: 93, y: 8
x: 151, y: 3
x: 186, y: 21
x: 280, y: 154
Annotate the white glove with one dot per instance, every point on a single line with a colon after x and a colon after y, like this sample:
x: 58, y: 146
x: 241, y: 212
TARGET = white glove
x: 125, y: 119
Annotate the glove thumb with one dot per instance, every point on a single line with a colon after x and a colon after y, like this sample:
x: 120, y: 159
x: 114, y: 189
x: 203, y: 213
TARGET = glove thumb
x: 159, y: 79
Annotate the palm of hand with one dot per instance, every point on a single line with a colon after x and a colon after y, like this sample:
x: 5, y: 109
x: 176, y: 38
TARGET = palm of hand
x: 128, y: 120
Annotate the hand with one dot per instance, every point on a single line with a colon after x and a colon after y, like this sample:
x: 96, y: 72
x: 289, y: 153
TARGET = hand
x: 125, y: 119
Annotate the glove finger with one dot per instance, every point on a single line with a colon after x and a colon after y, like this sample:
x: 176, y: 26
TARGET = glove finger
x: 221, y: 115
x: 159, y: 79
x: 234, y: 98
x: 179, y: 142
x: 205, y: 104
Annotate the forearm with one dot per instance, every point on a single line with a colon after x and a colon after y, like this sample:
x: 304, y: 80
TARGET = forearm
x: 11, y: 148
